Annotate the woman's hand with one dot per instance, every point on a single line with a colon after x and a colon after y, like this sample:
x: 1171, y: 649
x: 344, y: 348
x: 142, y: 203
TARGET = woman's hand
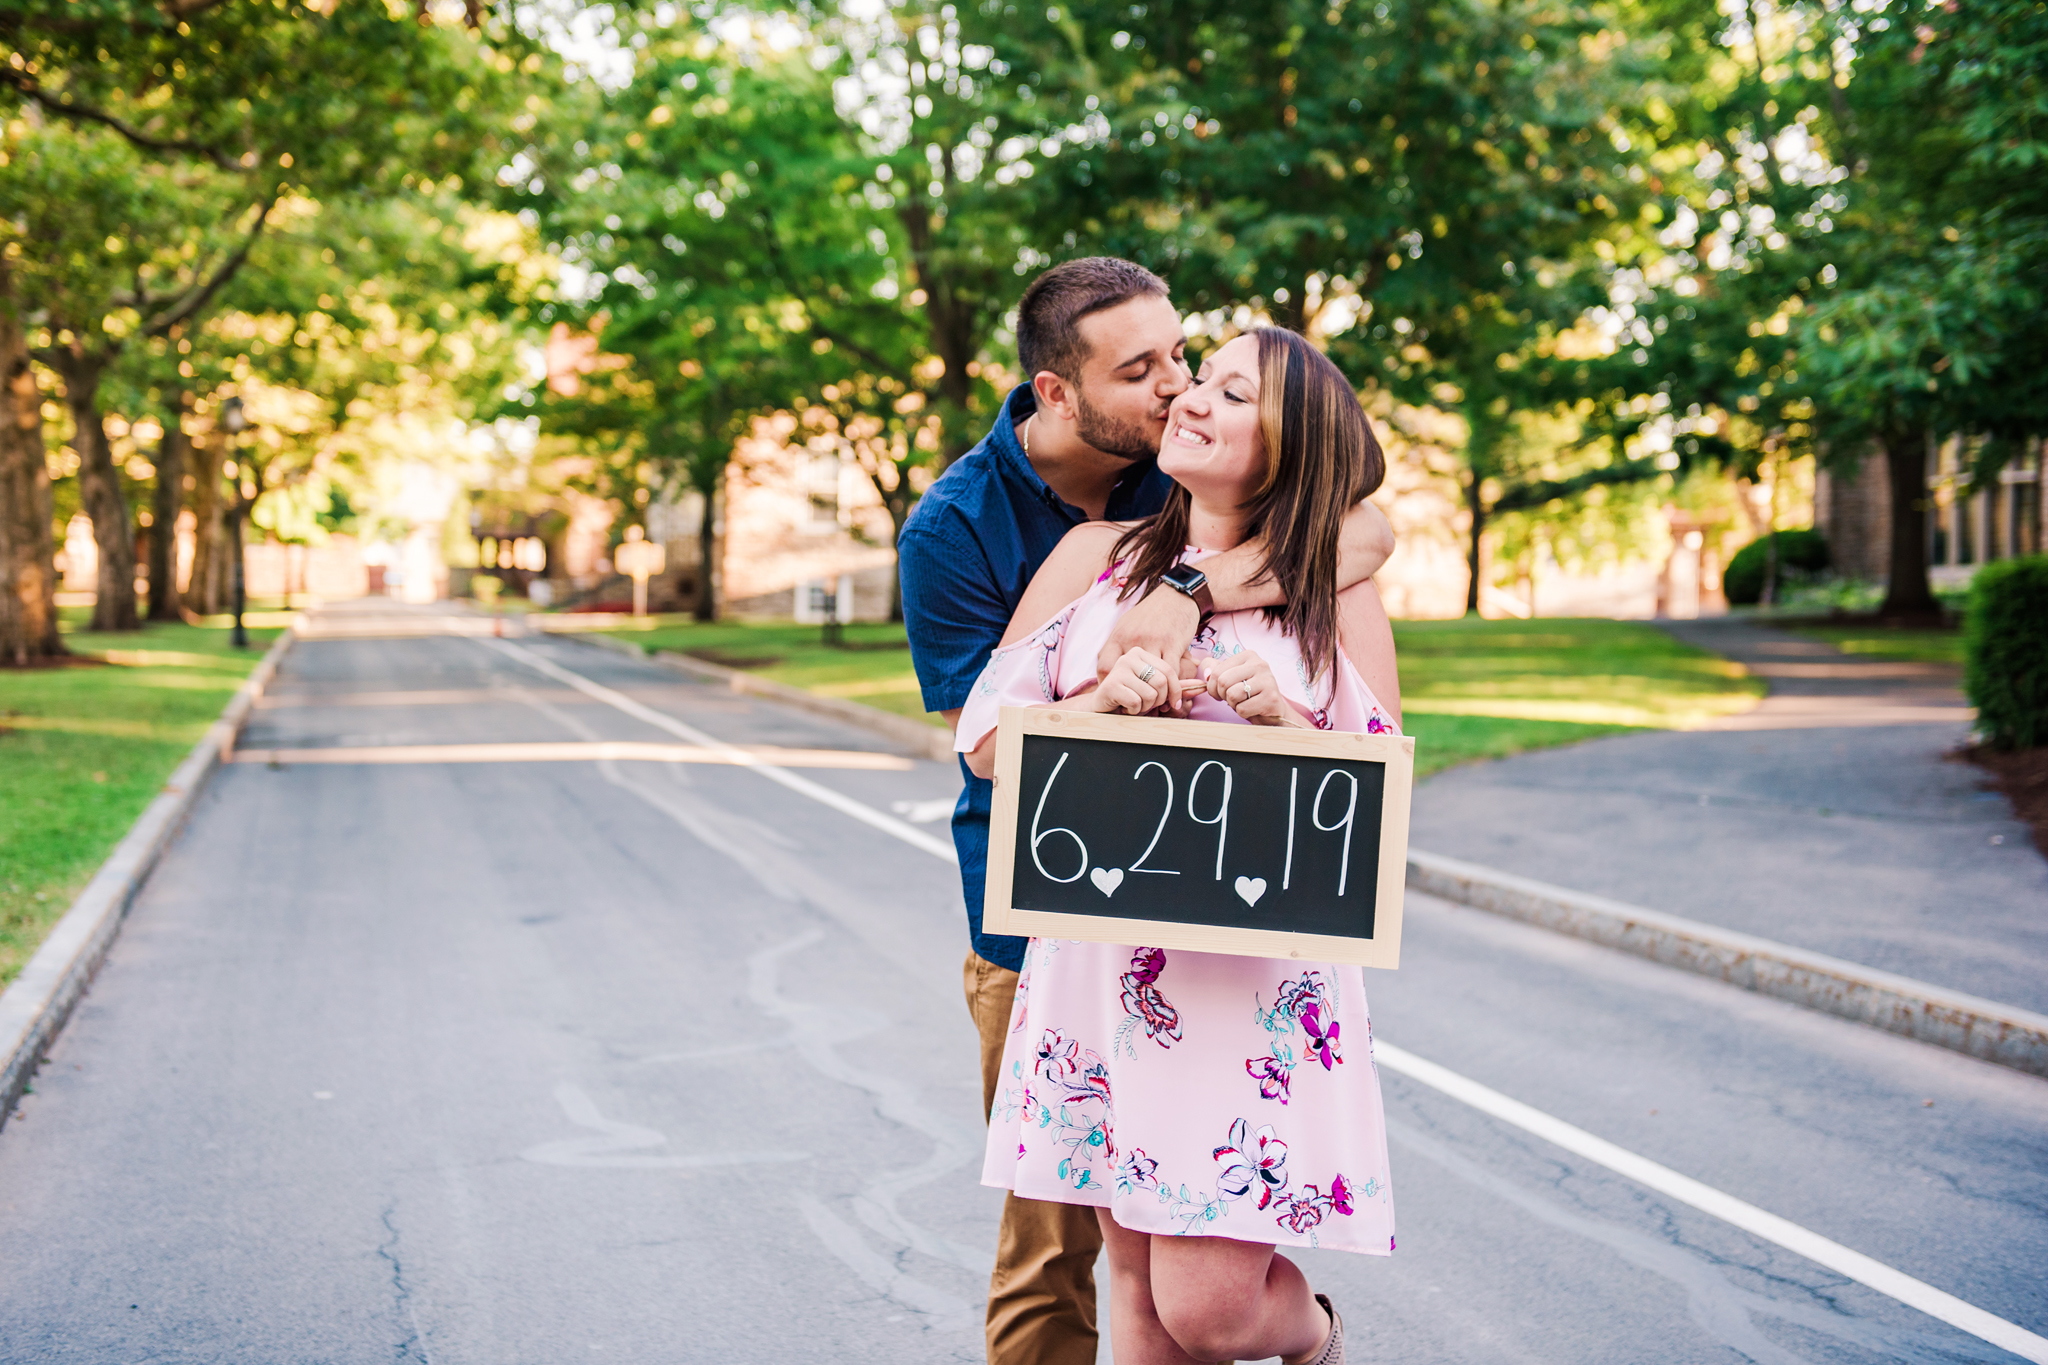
x: 1138, y: 683
x: 1245, y: 683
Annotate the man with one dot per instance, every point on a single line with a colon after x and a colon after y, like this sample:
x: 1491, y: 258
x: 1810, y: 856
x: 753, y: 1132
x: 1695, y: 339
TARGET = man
x: 1101, y: 347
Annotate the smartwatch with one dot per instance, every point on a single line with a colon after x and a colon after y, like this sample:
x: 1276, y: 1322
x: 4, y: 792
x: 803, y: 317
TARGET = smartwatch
x: 1193, y: 584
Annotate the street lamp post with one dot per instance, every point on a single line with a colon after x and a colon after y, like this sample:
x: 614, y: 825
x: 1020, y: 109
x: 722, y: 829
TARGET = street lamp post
x: 236, y: 421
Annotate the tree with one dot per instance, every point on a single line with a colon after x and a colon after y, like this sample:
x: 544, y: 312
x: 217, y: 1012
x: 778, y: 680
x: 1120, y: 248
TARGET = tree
x: 165, y: 113
x: 104, y: 257
x: 741, y: 262
x: 1857, y: 251
x: 28, y: 580
x: 1418, y: 185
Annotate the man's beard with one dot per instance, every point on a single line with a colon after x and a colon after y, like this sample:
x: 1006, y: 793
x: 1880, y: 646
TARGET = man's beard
x: 1126, y: 440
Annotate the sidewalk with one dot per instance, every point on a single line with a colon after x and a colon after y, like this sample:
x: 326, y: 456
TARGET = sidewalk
x: 1829, y: 817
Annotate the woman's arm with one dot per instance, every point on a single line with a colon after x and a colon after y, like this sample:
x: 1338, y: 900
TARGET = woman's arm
x: 1367, y: 638
x: 1070, y: 570
x: 1164, y: 621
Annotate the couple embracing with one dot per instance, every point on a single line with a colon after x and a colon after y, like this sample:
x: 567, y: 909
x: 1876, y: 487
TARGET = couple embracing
x: 1131, y: 538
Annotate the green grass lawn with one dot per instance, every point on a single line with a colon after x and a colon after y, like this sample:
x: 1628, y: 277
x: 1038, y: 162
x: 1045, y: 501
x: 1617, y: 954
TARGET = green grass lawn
x: 1486, y: 689
x: 85, y: 747
x: 1885, y: 642
x: 1471, y: 689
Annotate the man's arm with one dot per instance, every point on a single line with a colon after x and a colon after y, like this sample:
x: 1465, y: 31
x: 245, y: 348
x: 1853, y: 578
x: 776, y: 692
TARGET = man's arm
x: 1367, y: 638
x: 950, y: 600
x: 1164, y: 623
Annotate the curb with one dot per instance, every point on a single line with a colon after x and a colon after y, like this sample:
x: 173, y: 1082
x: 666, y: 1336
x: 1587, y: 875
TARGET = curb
x: 1984, y: 1029
x: 34, y: 1007
x: 923, y: 741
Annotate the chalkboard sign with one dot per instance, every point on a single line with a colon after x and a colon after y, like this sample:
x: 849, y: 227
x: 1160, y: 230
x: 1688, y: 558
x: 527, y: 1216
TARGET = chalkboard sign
x: 1262, y: 841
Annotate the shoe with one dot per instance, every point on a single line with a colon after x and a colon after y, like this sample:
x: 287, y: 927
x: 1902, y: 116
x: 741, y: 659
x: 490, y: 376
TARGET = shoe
x: 1333, y: 1349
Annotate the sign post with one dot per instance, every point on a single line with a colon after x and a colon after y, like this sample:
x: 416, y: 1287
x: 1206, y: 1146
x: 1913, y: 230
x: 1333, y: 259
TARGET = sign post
x: 1260, y: 841
x: 639, y: 560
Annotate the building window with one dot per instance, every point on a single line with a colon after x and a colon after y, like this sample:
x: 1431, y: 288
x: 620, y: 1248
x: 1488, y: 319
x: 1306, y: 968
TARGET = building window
x: 820, y: 489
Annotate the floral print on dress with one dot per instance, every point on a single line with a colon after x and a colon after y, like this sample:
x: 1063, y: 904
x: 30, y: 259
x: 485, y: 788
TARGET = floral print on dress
x: 1073, y: 1107
x: 1301, y: 1213
x: 1252, y: 1160
x: 1303, y: 1018
x: 1257, y: 1159
x: 1144, y: 1004
x: 1044, y: 647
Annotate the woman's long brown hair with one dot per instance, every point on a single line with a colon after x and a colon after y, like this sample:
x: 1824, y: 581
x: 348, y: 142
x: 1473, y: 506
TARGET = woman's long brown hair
x: 1321, y: 458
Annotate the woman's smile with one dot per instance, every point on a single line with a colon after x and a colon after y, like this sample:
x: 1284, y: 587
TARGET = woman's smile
x: 1213, y: 444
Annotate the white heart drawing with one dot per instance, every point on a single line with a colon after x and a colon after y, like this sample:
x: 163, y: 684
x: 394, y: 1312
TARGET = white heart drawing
x: 1107, y: 880
x: 1251, y: 888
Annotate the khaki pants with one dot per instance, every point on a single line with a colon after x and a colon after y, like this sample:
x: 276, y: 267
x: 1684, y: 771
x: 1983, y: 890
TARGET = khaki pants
x: 1041, y: 1298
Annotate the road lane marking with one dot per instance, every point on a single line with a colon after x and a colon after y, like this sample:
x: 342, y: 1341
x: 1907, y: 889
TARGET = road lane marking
x: 845, y: 805
x: 1726, y: 1207
x: 925, y: 812
x: 578, y: 751
x: 1782, y: 1232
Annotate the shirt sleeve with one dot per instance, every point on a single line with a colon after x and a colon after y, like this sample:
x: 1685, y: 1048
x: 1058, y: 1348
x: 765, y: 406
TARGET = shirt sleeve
x: 953, y: 610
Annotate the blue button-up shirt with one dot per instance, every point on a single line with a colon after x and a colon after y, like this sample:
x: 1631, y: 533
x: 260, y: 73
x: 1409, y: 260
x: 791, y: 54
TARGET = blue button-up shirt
x: 965, y: 556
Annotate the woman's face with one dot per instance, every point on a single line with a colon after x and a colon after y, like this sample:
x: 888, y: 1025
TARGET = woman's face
x: 1213, y: 444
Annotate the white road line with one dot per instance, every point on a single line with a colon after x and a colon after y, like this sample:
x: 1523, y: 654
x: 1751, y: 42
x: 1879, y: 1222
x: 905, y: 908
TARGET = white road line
x: 1726, y: 1207
x: 845, y: 805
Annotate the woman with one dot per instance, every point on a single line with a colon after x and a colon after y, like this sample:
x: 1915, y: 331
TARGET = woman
x: 1211, y: 1108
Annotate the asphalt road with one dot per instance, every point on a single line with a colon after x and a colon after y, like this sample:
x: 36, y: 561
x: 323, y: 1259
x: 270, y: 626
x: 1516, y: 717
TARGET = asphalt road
x: 572, y: 1057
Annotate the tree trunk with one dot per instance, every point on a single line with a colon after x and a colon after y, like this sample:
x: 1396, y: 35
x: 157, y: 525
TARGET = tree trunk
x: 28, y: 570
x: 1474, y: 558
x: 170, y: 501
x: 898, y: 514
x: 205, y: 590
x: 99, y: 488
x: 1907, y: 591
x: 706, y: 608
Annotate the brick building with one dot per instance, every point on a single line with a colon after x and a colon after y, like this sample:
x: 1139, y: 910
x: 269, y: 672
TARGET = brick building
x: 1852, y: 507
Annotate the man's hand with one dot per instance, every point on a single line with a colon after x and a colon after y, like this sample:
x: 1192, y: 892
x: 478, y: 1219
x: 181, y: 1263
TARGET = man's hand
x: 1163, y: 624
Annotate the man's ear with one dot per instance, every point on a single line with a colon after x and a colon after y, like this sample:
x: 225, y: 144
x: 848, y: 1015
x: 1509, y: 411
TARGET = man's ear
x: 1056, y: 397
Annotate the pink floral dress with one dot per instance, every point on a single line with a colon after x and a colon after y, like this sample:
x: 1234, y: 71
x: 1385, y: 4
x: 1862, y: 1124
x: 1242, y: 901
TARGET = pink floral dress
x: 1189, y: 1093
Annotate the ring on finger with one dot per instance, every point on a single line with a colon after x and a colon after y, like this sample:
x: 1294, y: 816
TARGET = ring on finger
x: 1146, y: 676
x: 1246, y: 684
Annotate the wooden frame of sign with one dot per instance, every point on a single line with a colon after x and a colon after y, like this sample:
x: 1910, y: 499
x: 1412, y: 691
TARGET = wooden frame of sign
x: 1066, y: 838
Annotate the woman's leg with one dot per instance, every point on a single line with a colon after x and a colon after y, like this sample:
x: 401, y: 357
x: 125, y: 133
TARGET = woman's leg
x: 1135, y: 1334
x: 1225, y: 1300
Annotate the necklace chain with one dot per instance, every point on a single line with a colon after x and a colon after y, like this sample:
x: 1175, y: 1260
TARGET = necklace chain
x: 1024, y: 436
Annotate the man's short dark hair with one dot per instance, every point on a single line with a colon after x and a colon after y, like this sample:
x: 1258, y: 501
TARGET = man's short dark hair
x: 1048, y: 332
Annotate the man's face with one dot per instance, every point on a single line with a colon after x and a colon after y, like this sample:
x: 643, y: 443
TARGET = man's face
x: 1133, y: 371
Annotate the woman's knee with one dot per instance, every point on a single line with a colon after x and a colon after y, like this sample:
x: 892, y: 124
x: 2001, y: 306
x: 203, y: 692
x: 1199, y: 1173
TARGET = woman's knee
x: 1210, y: 1302
x: 1211, y: 1331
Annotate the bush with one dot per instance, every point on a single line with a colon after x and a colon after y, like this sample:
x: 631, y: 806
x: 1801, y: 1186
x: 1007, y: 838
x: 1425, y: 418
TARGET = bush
x: 2005, y: 652
x: 1801, y: 554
